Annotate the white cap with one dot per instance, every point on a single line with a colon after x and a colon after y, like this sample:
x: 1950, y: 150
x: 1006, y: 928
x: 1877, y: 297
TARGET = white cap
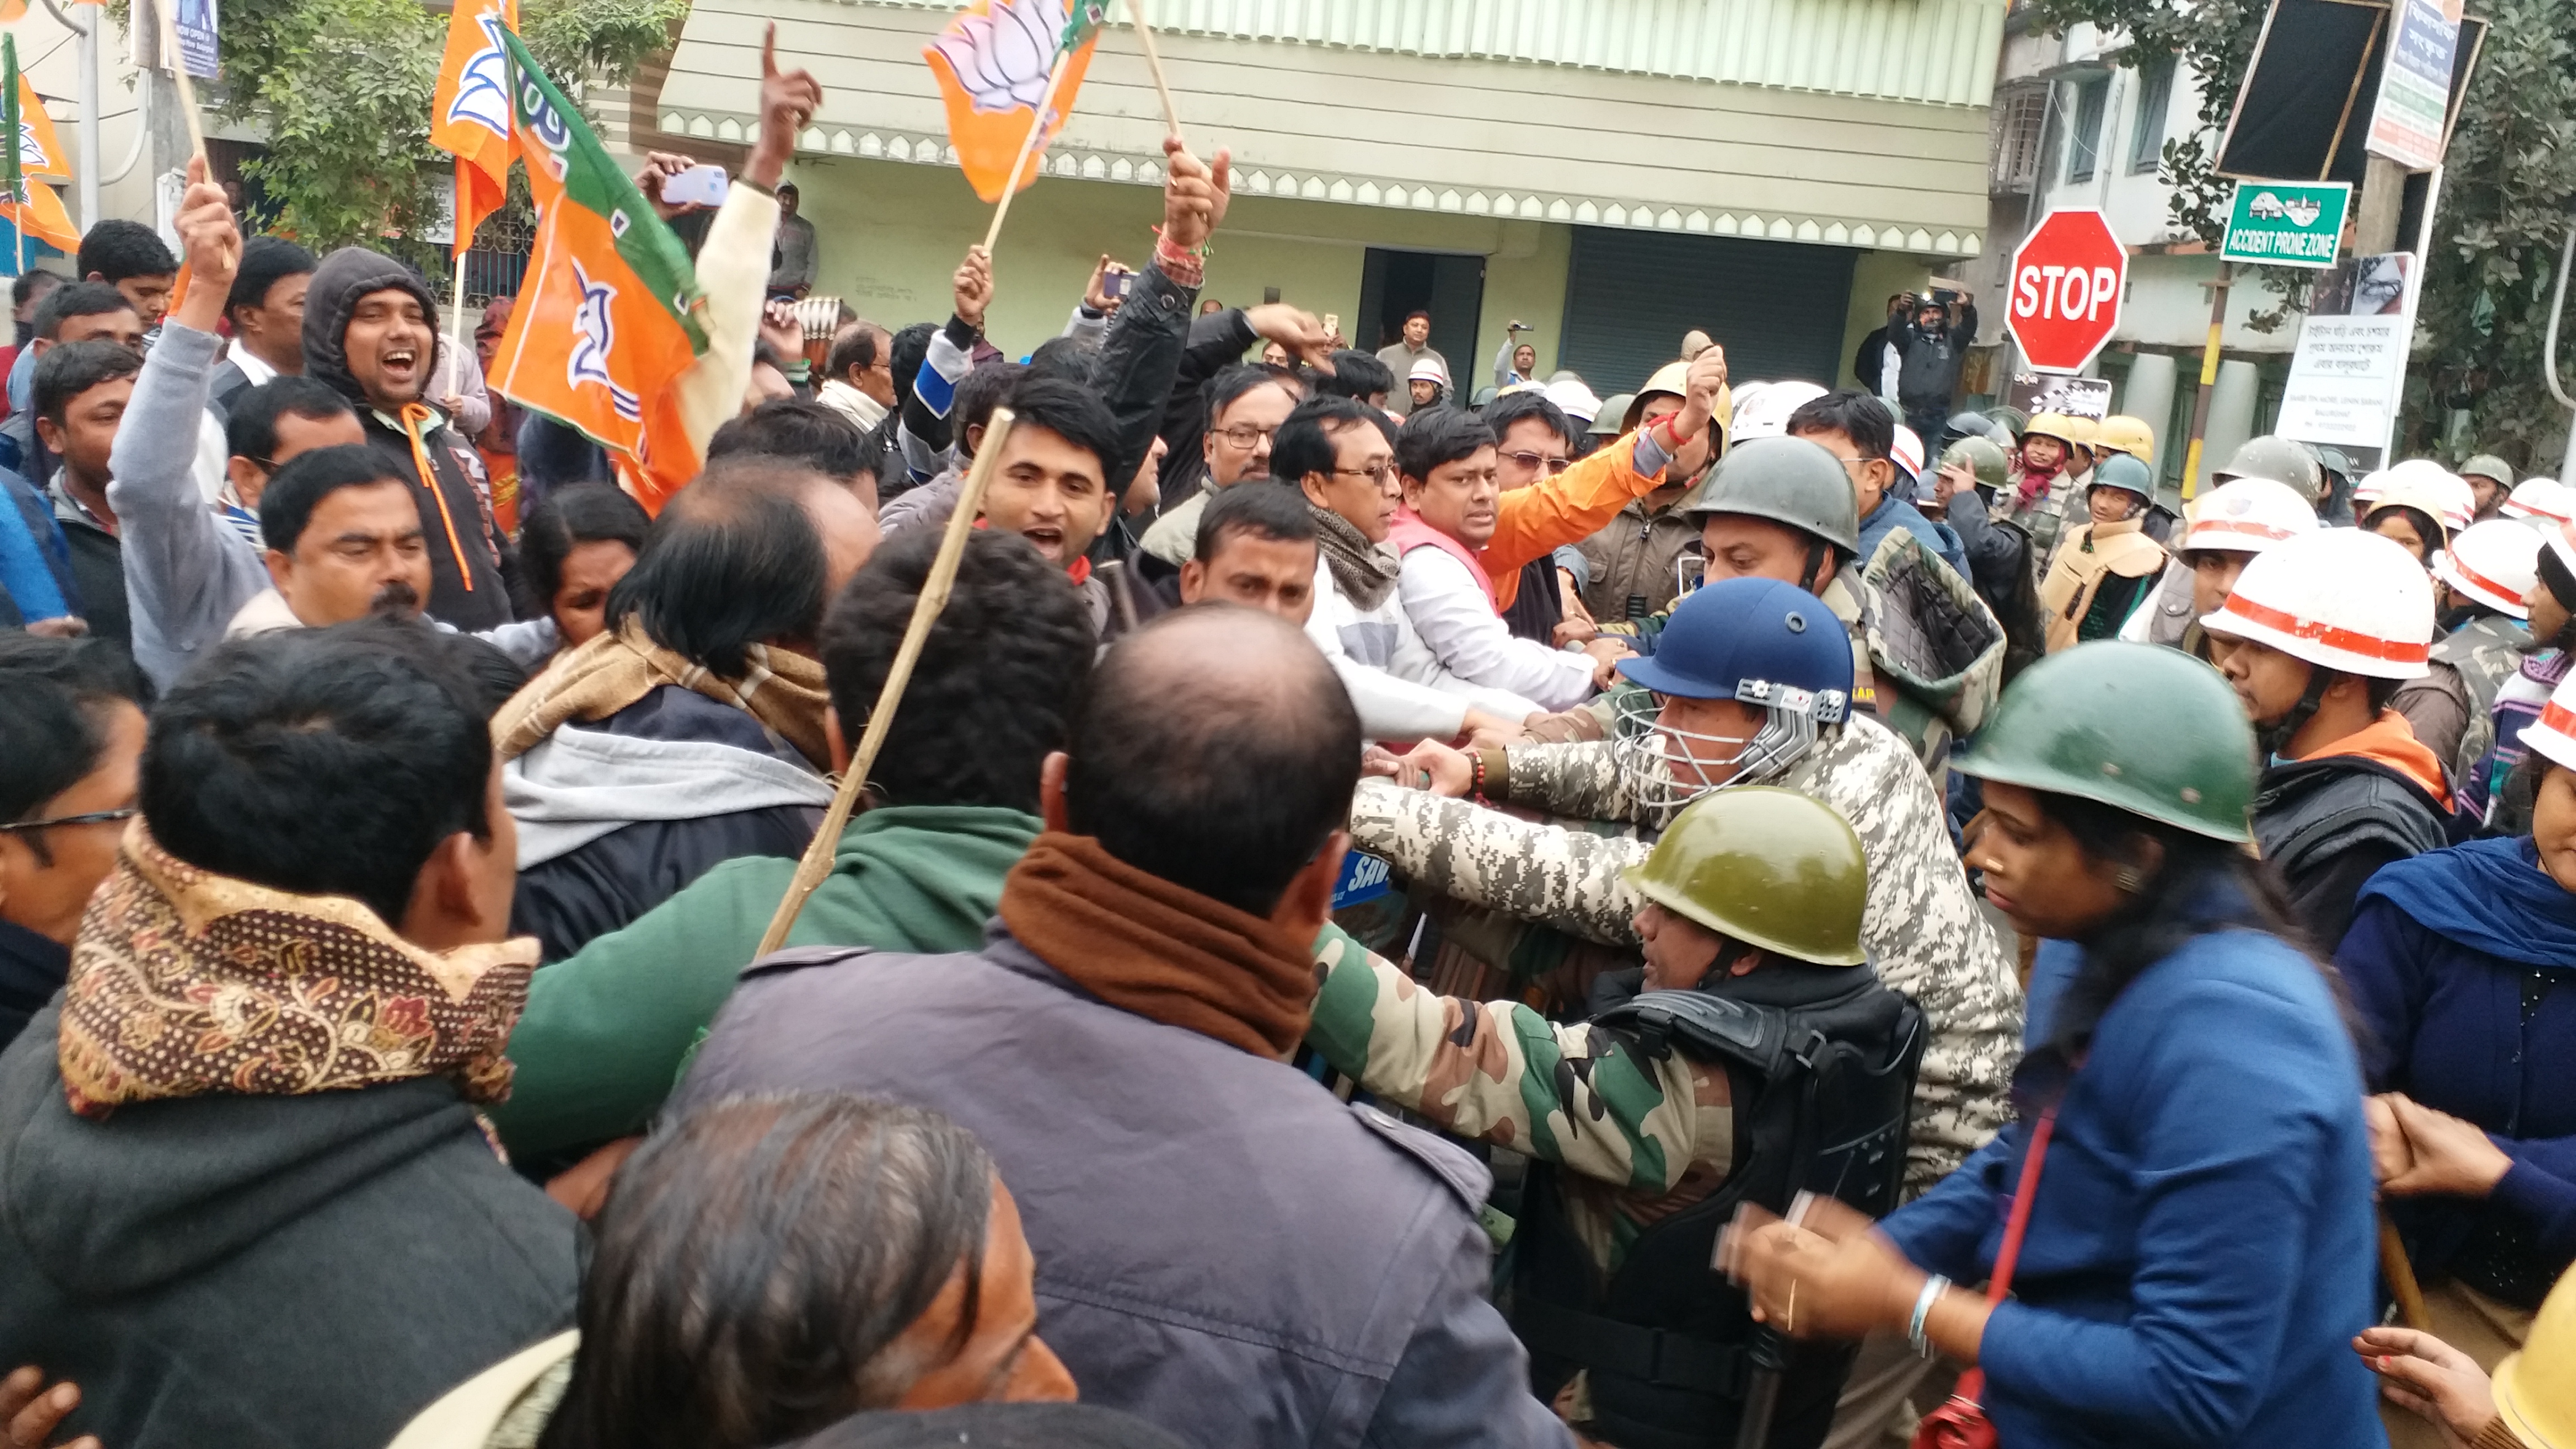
x: 1428, y: 370
x: 1574, y: 399
x: 2338, y: 598
x: 2495, y: 563
x: 2367, y: 488
x: 2540, y: 498
x: 1907, y: 454
x: 2553, y: 735
x: 1762, y: 409
x: 2248, y: 515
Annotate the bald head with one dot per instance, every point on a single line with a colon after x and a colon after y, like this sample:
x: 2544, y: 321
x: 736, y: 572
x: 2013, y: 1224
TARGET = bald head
x: 1217, y: 750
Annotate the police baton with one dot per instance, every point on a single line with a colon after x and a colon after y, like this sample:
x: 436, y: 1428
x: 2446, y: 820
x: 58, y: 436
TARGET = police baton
x: 1769, y: 1353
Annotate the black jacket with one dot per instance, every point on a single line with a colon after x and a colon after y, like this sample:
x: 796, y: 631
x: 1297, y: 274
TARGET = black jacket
x: 467, y: 560
x: 572, y: 899
x: 1929, y: 375
x: 2328, y: 826
x: 98, y: 571
x: 1867, y: 361
x: 1215, y: 342
x: 233, y: 1272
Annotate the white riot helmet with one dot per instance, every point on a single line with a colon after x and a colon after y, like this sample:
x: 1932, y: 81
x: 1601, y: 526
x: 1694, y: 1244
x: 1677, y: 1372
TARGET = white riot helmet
x: 1574, y: 399
x: 2444, y: 494
x: 2366, y: 490
x: 2543, y: 500
x: 2339, y: 598
x: 2495, y: 563
x: 2248, y: 515
x: 2553, y: 735
x: 1765, y: 414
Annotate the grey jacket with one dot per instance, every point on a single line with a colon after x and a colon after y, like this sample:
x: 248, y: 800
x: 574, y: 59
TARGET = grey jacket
x: 186, y: 574
x: 1222, y: 1247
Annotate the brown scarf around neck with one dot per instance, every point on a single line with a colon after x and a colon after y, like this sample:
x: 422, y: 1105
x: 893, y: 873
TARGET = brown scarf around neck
x: 1162, y: 951
x: 1364, y: 572
x: 781, y: 689
x: 189, y: 984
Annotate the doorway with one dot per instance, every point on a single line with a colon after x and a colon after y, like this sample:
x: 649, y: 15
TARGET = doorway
x: 1448, y: 285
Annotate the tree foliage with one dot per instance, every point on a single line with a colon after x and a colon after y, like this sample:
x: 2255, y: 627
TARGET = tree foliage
x: 2508, y: 198
x: 342, y: 89
x: 2503, y: 212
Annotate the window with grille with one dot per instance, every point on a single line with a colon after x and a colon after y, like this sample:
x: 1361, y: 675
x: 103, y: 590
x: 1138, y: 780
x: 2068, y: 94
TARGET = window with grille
x: 2155, y: 97
x: 2084, y: 146
x: 2016, y: 141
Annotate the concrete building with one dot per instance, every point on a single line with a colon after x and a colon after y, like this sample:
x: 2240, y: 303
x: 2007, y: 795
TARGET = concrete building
x: 2075, y: 125
x: 1612, y: 172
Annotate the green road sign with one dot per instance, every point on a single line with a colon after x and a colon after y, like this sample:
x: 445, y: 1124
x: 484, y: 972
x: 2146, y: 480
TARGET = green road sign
x: 2286, y: 224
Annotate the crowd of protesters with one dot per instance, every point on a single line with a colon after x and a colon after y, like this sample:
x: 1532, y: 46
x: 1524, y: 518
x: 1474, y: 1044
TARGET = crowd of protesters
x: 1911, y: 925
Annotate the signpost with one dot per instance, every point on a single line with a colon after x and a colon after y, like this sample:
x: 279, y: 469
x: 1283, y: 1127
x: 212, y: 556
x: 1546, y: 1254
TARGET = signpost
x: 2286, y: 224
x: 2350, y: 368
x: 2067, y: 281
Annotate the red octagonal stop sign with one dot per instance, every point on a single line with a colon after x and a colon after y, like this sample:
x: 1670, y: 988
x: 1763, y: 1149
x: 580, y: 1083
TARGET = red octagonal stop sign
x: 2066, y: 285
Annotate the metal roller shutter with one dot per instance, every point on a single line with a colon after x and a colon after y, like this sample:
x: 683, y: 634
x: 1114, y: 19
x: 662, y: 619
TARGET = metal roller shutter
x: 1776, y: 307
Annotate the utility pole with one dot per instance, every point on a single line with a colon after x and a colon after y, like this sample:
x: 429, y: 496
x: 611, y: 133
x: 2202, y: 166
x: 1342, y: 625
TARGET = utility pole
x: 2208, y: 378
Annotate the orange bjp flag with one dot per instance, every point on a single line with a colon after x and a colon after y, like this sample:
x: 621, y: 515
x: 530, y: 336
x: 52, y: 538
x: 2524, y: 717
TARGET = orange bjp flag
x: 605, y: 321
x: 992, y: 63
x: 37, y: 211
x: 469, y: 113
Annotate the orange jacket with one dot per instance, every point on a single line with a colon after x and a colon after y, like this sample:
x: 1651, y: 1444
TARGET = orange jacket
x: 2390, y: 741
x: 1533, y: 522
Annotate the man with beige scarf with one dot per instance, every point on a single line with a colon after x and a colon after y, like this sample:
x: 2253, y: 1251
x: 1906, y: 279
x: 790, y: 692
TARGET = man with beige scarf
x: 1222, y: 1246
x: 690, y: 731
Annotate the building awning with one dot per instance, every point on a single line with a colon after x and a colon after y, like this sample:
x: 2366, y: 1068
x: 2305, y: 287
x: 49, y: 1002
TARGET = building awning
x: 1479, y: 133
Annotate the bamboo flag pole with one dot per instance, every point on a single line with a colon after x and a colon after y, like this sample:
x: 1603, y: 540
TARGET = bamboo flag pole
x: 817, y: 860
x: 456, y: 308
x: 2400, y: 1274
x: 1028, y: 147
x: 178, y: 64
x: 1154, y: 62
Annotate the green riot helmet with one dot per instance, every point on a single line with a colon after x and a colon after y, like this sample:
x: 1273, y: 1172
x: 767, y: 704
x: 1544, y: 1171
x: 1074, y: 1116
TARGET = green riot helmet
x: 2137, y: 727
x: 1979, y: 456
x: 1789, y: 481
x: 2490, y: 467
x: 1768, y: 867
x: 2121, y: 471
x: 2279, y: 459
x: 2011, y: 420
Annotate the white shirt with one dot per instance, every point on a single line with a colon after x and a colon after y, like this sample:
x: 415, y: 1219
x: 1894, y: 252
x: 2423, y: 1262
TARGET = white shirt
x: 1365, y: 645
x: 1455, y: 616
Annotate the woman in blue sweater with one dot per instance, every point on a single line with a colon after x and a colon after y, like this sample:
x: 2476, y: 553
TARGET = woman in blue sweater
x: 2462, y: 967
x: 2200, y: 1244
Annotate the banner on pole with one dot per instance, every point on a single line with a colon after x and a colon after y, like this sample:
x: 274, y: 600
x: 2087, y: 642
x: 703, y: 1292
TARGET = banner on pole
x: 2408, y: 123
x: 469, y: 112
x: 604, y: 325
x: 992, y: 63
x: 2351, y: 359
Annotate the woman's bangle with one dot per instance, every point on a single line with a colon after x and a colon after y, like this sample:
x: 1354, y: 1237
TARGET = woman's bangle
x: 1476, y: 786
x: 1933, y: 1288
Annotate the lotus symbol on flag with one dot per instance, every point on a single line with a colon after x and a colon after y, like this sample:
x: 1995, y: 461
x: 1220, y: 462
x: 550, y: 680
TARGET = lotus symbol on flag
x: 594, y: 338
x: 2302, y: 211
x: 31, y: 152
x: 1001, y: 57
x: 483, y: 90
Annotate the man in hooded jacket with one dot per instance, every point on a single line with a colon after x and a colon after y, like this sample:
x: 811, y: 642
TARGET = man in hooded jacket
x: 370, y: 332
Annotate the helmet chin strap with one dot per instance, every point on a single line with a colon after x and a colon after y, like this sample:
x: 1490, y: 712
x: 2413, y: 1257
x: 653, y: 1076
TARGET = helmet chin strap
x: 1720, y: 971
x: 1817, y: 553
x: 2276, y: 737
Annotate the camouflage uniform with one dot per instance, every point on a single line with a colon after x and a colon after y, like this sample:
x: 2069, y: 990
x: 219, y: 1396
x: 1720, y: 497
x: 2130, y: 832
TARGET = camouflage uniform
x: 1639, y: 1137
x: 1922, y: 928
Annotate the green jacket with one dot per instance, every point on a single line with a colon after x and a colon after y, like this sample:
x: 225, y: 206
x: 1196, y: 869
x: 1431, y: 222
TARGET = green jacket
x: 608, y: 1028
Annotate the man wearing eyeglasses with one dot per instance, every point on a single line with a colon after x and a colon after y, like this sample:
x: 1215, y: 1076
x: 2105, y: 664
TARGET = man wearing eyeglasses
x: 71, y: 734
x: 1246, y: 405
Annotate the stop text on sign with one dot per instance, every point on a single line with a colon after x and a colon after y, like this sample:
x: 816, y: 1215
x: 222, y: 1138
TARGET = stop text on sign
x: 2067, y: 282
x: 2062, y: 291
